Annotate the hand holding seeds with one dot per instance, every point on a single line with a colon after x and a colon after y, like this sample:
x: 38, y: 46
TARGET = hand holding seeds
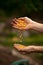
x: 22, y: 23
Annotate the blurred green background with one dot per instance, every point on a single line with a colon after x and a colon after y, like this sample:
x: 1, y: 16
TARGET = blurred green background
x: 10, y: 9
x: 19, y: 8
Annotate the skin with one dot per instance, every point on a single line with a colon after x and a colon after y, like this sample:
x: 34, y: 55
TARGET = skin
x: 31, y: 25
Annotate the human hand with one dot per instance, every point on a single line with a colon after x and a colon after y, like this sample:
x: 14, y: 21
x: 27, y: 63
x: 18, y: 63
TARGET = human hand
x: 27, y: 24
x: 27, y: 50
x: 24, y: 49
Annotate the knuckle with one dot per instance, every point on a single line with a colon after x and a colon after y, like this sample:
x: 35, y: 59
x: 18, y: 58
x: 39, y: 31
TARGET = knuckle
x: 25, y: 17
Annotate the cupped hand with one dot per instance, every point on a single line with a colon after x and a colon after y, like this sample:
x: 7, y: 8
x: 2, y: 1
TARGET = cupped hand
x: 17, y: 25
x: 24, y: 49
x: 28, y: 49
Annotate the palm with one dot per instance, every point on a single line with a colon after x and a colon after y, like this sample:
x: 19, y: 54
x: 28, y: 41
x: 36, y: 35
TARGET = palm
x: 24, y: 24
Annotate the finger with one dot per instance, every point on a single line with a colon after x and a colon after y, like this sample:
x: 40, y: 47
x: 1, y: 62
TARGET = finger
x: 12, y: 23
x: 15, y: 21
x: 16, y: 44
x: 21, y: 18
x: 24, y: 19
x: 24, y: 51
x: 15, y: 26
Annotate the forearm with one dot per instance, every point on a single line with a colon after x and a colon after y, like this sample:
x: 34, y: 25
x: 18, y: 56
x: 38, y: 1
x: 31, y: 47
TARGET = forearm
x: 38, y: 49
x: 38, y: 27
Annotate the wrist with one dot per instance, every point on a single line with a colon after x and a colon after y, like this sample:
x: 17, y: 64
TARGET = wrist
x: 32, y: 48
x: 37, y: 26
x: 33, y: 25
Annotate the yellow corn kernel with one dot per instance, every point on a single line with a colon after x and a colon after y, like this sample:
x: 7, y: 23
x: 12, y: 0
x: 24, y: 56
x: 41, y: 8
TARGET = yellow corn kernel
x: 21, y: 46
x: 21, y: 23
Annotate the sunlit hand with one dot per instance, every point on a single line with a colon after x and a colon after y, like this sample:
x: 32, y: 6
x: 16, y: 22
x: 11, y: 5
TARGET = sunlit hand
x: 28, y: 49
x: 26, y: 20
x: 25, y: 49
